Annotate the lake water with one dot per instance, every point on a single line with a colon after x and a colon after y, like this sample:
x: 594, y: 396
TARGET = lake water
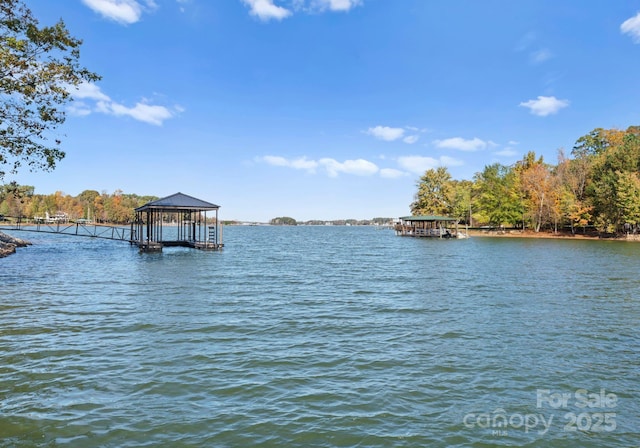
x: 320, y: 337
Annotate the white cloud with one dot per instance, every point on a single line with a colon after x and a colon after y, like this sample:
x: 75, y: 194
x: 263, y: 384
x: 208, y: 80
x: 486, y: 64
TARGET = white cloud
x: 416, y: 131
x: 88, y: 90
x: 359, y: 167
x: 147, y: 113
x: 420, y: 164
x: 390, y: 134
x: 274, y: 160
x: 79, y: 108
x: 545, y: 105
x: 338, y: 5
x: 632, y: 28
x: 417, y: 164
x: 142, y: 111
x: 304, y: 164
x: 411, y: 139
x: 104, y: 107
x: 386, y: 133
x: 267, y: 10
x: 301, y: 163
x: 121, y: 11
x: 461, y: 144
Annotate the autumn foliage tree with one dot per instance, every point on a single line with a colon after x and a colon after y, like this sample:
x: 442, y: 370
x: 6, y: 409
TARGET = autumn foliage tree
x: 539, y: 197
x: 598, y: 187
x: 115, y: 208
x: 435, y: 193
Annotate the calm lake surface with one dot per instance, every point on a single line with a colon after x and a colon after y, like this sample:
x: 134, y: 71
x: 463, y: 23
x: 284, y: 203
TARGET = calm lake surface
x: 320, y: 337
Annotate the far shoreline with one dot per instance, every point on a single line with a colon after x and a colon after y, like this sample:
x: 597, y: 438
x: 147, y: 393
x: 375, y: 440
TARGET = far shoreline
x: 530, y: 234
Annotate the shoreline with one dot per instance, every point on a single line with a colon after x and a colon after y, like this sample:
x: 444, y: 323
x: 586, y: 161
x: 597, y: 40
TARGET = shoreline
x: 9, y: 243
x: 547, y: 235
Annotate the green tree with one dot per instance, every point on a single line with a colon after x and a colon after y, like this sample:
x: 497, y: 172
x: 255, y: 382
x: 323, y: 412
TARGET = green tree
x: 497, y: 200
x: 434, y: 196
x: 87, y: 199
x: 283, y: 221
x: 596, y: 142
x: 15, y: 198
x: 609, y: 169
x: 628, y: 197
x: 38, y: 67
x: 461, y: 204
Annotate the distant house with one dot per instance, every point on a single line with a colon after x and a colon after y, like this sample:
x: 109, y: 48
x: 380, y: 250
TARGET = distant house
x: 58, y: 217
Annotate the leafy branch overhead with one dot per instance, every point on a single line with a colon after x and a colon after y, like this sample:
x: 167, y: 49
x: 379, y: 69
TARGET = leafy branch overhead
x: 38, y: 67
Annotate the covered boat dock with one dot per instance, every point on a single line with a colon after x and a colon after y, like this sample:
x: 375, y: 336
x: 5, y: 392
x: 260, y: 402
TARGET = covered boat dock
x: 429, y: 226
x: 177, y: 220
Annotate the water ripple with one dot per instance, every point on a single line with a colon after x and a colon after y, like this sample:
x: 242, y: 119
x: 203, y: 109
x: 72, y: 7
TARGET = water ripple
x: 315, y: 337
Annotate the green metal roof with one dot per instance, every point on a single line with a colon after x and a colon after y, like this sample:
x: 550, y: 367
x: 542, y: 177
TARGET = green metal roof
x: 429, y: 218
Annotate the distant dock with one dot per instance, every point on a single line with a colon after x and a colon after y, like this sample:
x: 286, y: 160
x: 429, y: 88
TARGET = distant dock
x: 429, y: 226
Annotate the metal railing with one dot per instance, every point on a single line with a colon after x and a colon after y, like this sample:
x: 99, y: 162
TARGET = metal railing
x: 92, y: 230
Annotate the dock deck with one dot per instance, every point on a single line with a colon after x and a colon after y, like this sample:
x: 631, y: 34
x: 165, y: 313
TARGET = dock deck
x: 190, y: 216
x: 428, y: 226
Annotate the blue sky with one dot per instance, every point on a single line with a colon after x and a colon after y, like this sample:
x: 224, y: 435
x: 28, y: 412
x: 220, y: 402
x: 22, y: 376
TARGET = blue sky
x: 327, y: 109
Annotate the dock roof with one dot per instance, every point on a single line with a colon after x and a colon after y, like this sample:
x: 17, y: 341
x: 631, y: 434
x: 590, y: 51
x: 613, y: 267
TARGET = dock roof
x: 178, y: 201
x: 430, y: 218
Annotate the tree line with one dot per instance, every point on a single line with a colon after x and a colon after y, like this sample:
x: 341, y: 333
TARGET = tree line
x: 117, y: 207
x: 597, y: 187
x: 288, y: 221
